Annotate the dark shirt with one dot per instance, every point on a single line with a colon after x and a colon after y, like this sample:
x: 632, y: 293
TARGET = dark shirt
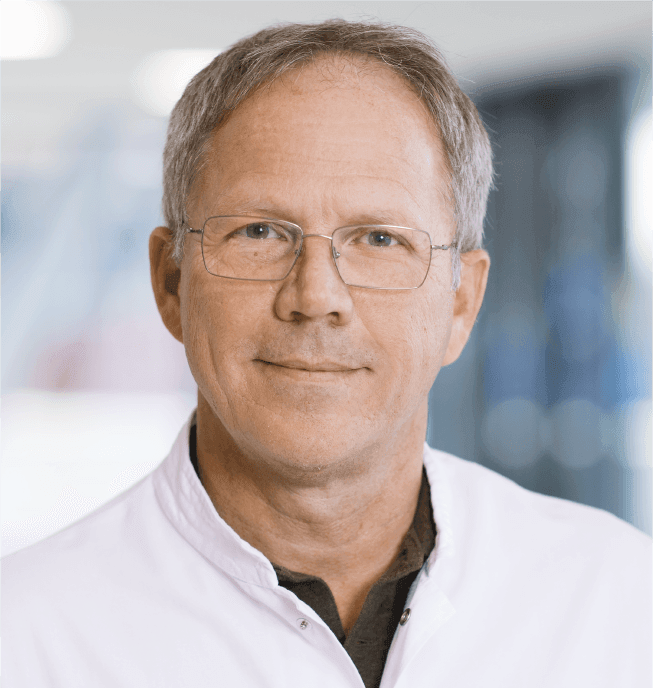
x: 369, y: 640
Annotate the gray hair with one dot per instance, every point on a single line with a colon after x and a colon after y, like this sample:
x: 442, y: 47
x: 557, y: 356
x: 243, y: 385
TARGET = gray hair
x: 214, y: 93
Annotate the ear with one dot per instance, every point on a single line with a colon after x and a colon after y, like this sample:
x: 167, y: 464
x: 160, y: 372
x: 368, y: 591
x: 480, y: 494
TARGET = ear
x: 165, y: 277
x: 474, y: 269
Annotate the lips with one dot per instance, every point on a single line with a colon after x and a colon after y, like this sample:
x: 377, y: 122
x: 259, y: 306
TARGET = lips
x: 312, y: 366
x: 315, y: 354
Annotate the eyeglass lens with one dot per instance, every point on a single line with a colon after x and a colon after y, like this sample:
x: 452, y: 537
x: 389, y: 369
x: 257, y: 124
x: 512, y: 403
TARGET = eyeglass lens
x: 370, y: 256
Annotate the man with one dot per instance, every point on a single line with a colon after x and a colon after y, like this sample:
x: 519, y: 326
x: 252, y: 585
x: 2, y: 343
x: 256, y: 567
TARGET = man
x: 324, y: 192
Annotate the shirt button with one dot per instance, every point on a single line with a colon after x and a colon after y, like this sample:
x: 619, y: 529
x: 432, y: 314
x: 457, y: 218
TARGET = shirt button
x: 303, y: 624
x: 404, y: 617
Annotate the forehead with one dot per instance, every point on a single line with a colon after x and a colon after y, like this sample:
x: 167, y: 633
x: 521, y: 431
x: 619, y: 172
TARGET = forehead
x: 339, y: 130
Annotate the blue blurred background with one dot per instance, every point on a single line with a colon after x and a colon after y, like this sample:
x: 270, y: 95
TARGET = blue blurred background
x: 554, y: 387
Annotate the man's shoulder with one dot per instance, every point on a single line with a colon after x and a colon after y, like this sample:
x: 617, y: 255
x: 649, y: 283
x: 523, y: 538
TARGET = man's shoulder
x: 543, y: 572
x: 510, y: 516
x: 90, y: 547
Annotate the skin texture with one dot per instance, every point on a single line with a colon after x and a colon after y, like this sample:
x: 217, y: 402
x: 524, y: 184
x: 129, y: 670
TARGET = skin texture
x: 312, y: 395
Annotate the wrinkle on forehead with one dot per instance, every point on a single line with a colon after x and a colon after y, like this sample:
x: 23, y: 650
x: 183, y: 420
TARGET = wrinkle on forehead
x: 239, y: 199
x: 356, y: 71
x: 368, y: 78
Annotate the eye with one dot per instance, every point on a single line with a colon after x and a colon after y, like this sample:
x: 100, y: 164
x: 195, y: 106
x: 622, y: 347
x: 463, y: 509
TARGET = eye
x: 381, y: 238
x: 261, y: 230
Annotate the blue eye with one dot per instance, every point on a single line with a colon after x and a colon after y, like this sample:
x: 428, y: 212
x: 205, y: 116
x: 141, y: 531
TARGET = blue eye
x: 380, y: 239
x: 260, y: 230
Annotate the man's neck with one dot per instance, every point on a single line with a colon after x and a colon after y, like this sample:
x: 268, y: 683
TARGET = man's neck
x: 345, y: 528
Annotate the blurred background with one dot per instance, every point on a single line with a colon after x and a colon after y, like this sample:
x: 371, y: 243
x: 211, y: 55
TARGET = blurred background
x: 554, y: 388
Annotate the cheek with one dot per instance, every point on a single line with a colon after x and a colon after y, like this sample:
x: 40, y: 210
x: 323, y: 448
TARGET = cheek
x: 412, y: 335
x: 213, y: 333
x: 428, y: 332
x: 200, y: 330
x: 221, y: 323
x: 415, y: 333
x: 426, y: 344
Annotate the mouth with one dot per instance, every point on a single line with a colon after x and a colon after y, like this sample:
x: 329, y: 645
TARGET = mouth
x: 311, y: 366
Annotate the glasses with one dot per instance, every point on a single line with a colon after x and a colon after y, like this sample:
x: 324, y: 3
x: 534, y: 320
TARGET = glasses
x: 264, y: 250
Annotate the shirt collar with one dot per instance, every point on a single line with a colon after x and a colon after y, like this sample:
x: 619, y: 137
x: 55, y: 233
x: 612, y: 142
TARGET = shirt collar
x: 442, y: 502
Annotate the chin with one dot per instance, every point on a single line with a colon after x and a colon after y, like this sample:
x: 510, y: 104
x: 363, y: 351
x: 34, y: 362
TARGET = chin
x: 302, y: 451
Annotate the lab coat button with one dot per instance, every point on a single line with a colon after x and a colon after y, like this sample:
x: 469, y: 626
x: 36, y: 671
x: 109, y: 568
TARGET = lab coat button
x: 303, y: 624
x: 404, y: 617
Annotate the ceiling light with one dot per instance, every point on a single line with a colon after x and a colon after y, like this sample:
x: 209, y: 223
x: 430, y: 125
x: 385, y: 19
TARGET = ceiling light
x: 31, y: 30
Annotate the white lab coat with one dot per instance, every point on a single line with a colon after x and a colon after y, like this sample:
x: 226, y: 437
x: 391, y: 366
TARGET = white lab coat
x: 155, y: 589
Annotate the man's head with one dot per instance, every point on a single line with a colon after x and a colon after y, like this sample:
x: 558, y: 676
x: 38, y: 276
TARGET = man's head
x: 306, y: 371
x: 215, y: 92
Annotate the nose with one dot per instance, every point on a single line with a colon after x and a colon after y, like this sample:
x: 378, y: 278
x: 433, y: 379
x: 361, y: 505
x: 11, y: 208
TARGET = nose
x: 314, y: 290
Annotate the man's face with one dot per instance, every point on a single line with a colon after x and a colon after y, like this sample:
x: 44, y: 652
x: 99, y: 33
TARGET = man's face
x: 307, y: 371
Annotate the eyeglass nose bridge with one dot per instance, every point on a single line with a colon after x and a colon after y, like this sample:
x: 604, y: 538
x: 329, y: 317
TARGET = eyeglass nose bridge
x: 335, y: 253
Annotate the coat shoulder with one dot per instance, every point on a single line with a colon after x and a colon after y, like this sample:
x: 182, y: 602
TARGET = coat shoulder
x: 486, y: 500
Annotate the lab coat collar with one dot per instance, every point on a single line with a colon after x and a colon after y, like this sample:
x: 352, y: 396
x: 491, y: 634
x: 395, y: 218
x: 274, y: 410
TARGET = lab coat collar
x: 188, y: 507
